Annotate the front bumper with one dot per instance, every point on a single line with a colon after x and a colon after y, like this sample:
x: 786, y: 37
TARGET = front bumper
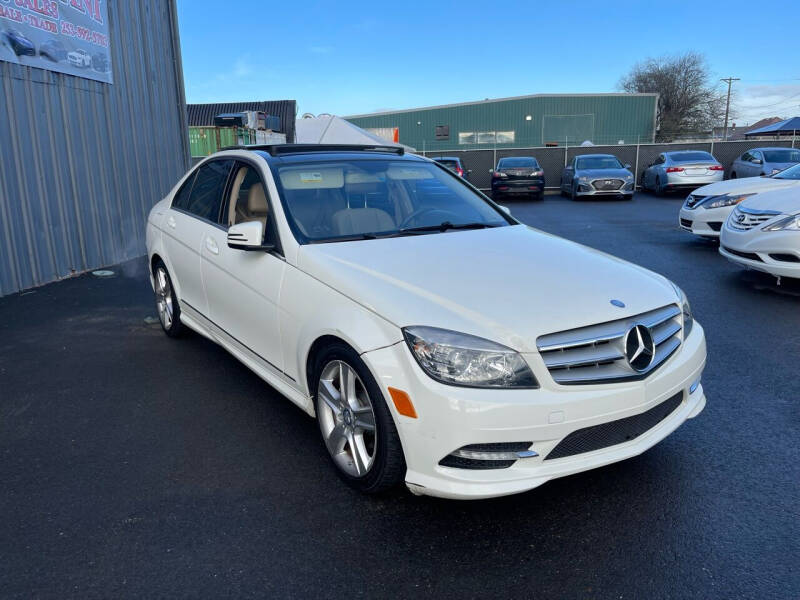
x: 704, y: 222
x: 451, y: 417
x: 765, y: 251
x: 518, y: 186
x: 588, y: 189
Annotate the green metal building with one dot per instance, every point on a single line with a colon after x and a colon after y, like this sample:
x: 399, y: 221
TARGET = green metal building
x: 520, y: 122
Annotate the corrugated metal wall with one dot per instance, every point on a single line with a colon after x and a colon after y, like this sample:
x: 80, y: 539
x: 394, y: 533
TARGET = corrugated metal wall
x: 82, y: 162
x: 601, y: 118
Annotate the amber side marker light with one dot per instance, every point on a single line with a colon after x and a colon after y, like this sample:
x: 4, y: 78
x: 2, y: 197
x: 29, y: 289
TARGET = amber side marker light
x: 402, y: 402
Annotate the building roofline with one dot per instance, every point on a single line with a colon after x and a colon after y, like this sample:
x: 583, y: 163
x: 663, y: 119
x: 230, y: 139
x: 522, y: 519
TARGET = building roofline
x: 491, y: 100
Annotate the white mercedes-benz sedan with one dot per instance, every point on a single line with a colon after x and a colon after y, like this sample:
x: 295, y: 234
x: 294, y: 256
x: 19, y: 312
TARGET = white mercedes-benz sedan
x: 763, y: 233
x: 437, y: 340
x: 707, y: 208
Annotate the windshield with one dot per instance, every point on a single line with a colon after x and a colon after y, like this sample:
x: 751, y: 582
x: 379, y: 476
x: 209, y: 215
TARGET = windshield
x: 790, y: 173
x: 362, y: 199
x: 515, y: 163
x: 782, y: 156
x: 692, y: 156
x: 598, y: 162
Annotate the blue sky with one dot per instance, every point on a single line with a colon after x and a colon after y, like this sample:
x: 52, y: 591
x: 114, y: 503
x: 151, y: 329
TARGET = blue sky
x: 356, y: 57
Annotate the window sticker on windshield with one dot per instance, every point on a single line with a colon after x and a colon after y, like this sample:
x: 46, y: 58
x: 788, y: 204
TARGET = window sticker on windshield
x: 401, y: 173
x: 315, y: 177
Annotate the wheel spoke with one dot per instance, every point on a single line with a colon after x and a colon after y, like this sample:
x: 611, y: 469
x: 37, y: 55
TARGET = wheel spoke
x: 330, y: 396
x: 365, y: 420
x: 336, y: 439
x: 356, y: 453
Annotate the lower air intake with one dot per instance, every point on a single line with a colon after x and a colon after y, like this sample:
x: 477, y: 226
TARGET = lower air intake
x: 500, y: 455
x: 616, y: 432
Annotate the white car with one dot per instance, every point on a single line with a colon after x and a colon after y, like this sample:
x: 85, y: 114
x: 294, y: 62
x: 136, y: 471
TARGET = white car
x: 763, y: 233
x: 79, y: 58
x: 436, y: 340
x: 707, y: 208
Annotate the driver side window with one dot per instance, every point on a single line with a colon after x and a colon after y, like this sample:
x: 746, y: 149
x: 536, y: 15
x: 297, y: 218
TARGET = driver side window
x: 248, y: 201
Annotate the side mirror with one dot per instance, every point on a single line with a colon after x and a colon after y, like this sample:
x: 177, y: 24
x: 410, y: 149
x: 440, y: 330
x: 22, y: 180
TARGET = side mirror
x: 757, y: 161
x: 469, y: 171
x: 627, y: 165
x: 248, y: 236
x: 491, y: 171
x: 505, y: 209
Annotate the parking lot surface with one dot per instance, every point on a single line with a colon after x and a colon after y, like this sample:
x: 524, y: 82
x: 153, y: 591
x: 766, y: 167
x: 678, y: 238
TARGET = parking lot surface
x: 136, y: 465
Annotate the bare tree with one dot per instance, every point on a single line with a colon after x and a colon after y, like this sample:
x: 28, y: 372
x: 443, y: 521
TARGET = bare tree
x: 688, y: 101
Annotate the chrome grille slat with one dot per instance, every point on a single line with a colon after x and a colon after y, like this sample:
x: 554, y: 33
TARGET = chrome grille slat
x: 596, y: 353
x: 742, y: 219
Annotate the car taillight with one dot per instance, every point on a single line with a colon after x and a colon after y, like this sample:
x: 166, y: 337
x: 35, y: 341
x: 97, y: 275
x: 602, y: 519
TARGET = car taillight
x: 716, y: 168
x: 674, y: 169
x: 499, y: 175
x: 460, y: 171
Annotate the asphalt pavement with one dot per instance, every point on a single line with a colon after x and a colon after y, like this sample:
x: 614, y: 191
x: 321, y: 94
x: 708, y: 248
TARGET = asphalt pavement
x: 132, y: 464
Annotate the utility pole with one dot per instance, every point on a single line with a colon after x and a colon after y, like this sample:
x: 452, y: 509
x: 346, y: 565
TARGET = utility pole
x: 729, y: 81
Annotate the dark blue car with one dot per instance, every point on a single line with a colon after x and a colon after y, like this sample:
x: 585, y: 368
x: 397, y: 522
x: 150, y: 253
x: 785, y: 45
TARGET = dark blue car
x: 21, y: 45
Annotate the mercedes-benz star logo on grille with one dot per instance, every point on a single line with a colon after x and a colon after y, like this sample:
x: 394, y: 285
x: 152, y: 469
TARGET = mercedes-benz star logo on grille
x: 640, y: 348
x: 740, y: 218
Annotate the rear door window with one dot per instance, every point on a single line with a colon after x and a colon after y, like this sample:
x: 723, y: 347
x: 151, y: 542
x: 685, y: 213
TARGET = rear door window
x: 205, y: 199
x: 181, y: 199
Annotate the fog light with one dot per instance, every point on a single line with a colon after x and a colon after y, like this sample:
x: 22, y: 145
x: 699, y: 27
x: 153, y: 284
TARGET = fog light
x: 488, y: 456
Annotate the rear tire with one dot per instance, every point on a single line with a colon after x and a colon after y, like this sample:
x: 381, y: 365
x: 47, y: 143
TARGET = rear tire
x: 657, y: 189
x: 357, y: 428
x: 733, y: 175
x: 167, y: 305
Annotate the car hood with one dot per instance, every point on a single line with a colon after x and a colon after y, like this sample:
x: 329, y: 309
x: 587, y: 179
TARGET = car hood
x: 779, y: 166
x: 746, y: 185
x: 507, y: 284
x: 603, y: 173
x: 787, y: 201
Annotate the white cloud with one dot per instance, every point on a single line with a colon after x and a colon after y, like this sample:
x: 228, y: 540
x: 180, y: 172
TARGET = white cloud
x: 756, y: 102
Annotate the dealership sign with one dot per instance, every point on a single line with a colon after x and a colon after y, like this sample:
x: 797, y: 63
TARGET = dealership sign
x: 68, y: 36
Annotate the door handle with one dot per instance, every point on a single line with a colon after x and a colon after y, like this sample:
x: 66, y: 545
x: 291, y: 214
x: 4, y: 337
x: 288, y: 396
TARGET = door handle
x: 171, y: 222
x: 211, y: 246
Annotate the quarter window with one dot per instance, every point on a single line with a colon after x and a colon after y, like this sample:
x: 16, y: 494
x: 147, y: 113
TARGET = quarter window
x: 181, y: 199
x: 209, y: 184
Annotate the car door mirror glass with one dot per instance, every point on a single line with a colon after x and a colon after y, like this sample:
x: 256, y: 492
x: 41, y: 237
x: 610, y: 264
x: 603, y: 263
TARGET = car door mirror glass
x: 756, y: 161
x: 248, y: 236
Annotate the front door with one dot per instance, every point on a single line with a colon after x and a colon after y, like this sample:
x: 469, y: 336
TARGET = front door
x: 243, y: 286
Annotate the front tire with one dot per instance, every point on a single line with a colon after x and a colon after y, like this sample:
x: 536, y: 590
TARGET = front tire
x: 733, y: 175
x: 573, y: 193
x: 167, y: 305
x: 355, y: 424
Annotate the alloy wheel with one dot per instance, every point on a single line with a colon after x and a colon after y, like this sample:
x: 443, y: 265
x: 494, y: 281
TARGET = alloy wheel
x: 346, y: 418
x: 164, y: 297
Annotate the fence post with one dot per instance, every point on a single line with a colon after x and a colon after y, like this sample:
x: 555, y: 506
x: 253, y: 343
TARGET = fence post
x: 794, y: 136
x: 494, y: 151
x: 423, y: 147
x: 712, y: 144
x: 636, y: 168
x: 566, y: 149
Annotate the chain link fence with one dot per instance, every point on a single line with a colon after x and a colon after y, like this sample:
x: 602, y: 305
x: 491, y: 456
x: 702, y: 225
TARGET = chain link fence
x: 638, y: 156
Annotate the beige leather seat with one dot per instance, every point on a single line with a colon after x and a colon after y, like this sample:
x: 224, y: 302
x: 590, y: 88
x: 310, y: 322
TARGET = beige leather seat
x: 361, y: 220
x: 257, y: 207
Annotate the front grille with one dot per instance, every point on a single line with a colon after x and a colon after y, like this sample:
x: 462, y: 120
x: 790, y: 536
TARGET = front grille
x: 596, y: 354
x: 686, y: 223
x: 605, y: 185
x: 616, y: 432
x: 744, y: 220
x: 693, y: 200
x: 747, y: 255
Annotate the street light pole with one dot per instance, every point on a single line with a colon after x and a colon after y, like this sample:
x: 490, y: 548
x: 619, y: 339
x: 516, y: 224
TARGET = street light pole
x: 729, y: 81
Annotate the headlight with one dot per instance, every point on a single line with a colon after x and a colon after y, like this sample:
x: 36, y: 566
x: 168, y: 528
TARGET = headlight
x: 466, y: 360
x: 686, y: 308
x: 788, y: 224
x: 726, y: 200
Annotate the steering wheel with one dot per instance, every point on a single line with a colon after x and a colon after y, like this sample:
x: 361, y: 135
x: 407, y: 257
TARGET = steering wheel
x: 445, y: 216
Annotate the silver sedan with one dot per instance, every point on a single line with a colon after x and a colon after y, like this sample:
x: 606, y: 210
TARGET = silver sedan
x: 682, y: 169
x: 764, y: 161
x: 597, y: 175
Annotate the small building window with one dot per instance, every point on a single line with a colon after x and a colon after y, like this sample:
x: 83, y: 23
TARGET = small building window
x: 466, y: 137
x: 443, y: 132
x: 505, y: 137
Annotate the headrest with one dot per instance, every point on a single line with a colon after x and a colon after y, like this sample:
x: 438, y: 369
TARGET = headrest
x: 257, y: 201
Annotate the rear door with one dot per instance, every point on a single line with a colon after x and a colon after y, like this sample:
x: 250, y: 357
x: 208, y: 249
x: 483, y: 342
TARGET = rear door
x: 243, y: 286
x: 194, y: 209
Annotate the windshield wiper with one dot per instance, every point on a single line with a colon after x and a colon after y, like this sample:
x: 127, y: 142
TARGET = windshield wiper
x: 445, y: 225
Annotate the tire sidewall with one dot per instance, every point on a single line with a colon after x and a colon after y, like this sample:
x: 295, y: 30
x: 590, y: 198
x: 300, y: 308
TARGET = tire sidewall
x: 176, y: 327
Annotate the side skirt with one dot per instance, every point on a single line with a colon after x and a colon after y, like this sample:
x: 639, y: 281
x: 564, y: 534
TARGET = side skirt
x: 265, y: 370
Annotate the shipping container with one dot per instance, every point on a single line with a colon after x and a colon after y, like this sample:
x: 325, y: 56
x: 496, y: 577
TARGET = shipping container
x: 204, y: 141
